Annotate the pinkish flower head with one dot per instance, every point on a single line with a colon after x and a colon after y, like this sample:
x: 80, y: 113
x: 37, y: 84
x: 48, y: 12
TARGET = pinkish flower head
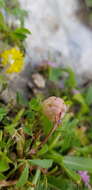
x: 85, y: 177
x: 52, y: 64
x: 54, y: 108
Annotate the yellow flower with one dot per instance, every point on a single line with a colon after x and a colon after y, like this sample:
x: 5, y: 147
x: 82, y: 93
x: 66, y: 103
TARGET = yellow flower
x: 12, y: 60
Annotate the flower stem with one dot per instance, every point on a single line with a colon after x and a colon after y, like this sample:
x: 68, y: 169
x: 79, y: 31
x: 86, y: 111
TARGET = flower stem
x: 49, y: 135
x: 35, y: 179
x: 55, y: 140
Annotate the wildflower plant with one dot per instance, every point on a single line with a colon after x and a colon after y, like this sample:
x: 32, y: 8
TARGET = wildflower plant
x: 12, y: 34
x: 26, y: 162
x: 43, y: 146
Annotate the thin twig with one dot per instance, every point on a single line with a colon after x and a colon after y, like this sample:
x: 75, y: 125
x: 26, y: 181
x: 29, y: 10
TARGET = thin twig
x: 48, y: 136
x: 5, y: 183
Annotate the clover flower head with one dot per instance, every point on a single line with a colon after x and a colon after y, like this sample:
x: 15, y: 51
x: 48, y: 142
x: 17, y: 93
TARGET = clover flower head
x: 54, y: 108
x: 12, y: 60
x: 85, y: 177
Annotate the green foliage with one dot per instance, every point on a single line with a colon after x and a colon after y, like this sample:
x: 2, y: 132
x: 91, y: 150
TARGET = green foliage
x: 78, y: 163
x: 70, y: 81
x: 3, y: 82
x: 3, y: 165
x: 22, y: 134
x: 25, y: 159
x: 4, y: 162
x: 58, y: 182
x: 55, y: 164
x: 21, y: 100
x: 89, y: 3
x: 56, y: 73
x: 42, y: 163
x: 23, y: 178
x: 3, y: 113
x: 2, y: 3
x: 20, y: 14
x: 21, y: 33
x: 89, y: 95
x: 3, y: 26
x: 81, y: 100
x: 12, y: 35
x: 69, y: 136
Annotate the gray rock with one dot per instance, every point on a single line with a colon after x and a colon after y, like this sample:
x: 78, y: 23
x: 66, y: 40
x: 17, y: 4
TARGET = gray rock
x: 26, y: 83
x: 59, y: 35
x: 17, y: 83
x: 38, y: 80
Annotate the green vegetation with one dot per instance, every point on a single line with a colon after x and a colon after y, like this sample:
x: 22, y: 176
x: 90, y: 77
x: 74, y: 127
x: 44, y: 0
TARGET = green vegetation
x: 26, y: 163
x: 12, y: 31
x: 53, y: 165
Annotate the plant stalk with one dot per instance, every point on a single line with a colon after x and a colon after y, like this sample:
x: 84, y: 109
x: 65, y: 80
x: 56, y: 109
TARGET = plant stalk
x: 35, y: 179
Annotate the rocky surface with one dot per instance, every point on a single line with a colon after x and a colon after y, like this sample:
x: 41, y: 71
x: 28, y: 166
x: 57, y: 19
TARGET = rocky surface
x: 38, y: 80
x: 58, y: 34
x: 28, y: 83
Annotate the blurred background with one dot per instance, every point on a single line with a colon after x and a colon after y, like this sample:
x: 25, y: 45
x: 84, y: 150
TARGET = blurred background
x: 61, y: 32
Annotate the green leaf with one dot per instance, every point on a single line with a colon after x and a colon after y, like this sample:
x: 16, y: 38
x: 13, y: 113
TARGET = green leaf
x: 54, y: 74
x: 89, y: 96
x: 42, y: 163
x: 2, y: 177
x: 3, y: 81
x: 19, y: 12
x: 43, y: 150
x: 73, y: 175
x: 21, y: 33
x: 61, y: 162
x: 41, y: 186
x: 18, y: 116
x: 28, y: 130
x: 4, y: 166
x: 80, y: 99
x: 57, y: 183
x: 20, y: 99
x: 2, y: 3
x: 58, y: 158
x: 34, y: 104
x: 67, y: 123
x: 23, y: 178
x: 3, y: 25
x: 19, y: 36
x: 3, y: 113
x: 70, y: 81
x: 46, y: 124
x: 78, y: 163
x: 11, y: 129
x: 1, y: 135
